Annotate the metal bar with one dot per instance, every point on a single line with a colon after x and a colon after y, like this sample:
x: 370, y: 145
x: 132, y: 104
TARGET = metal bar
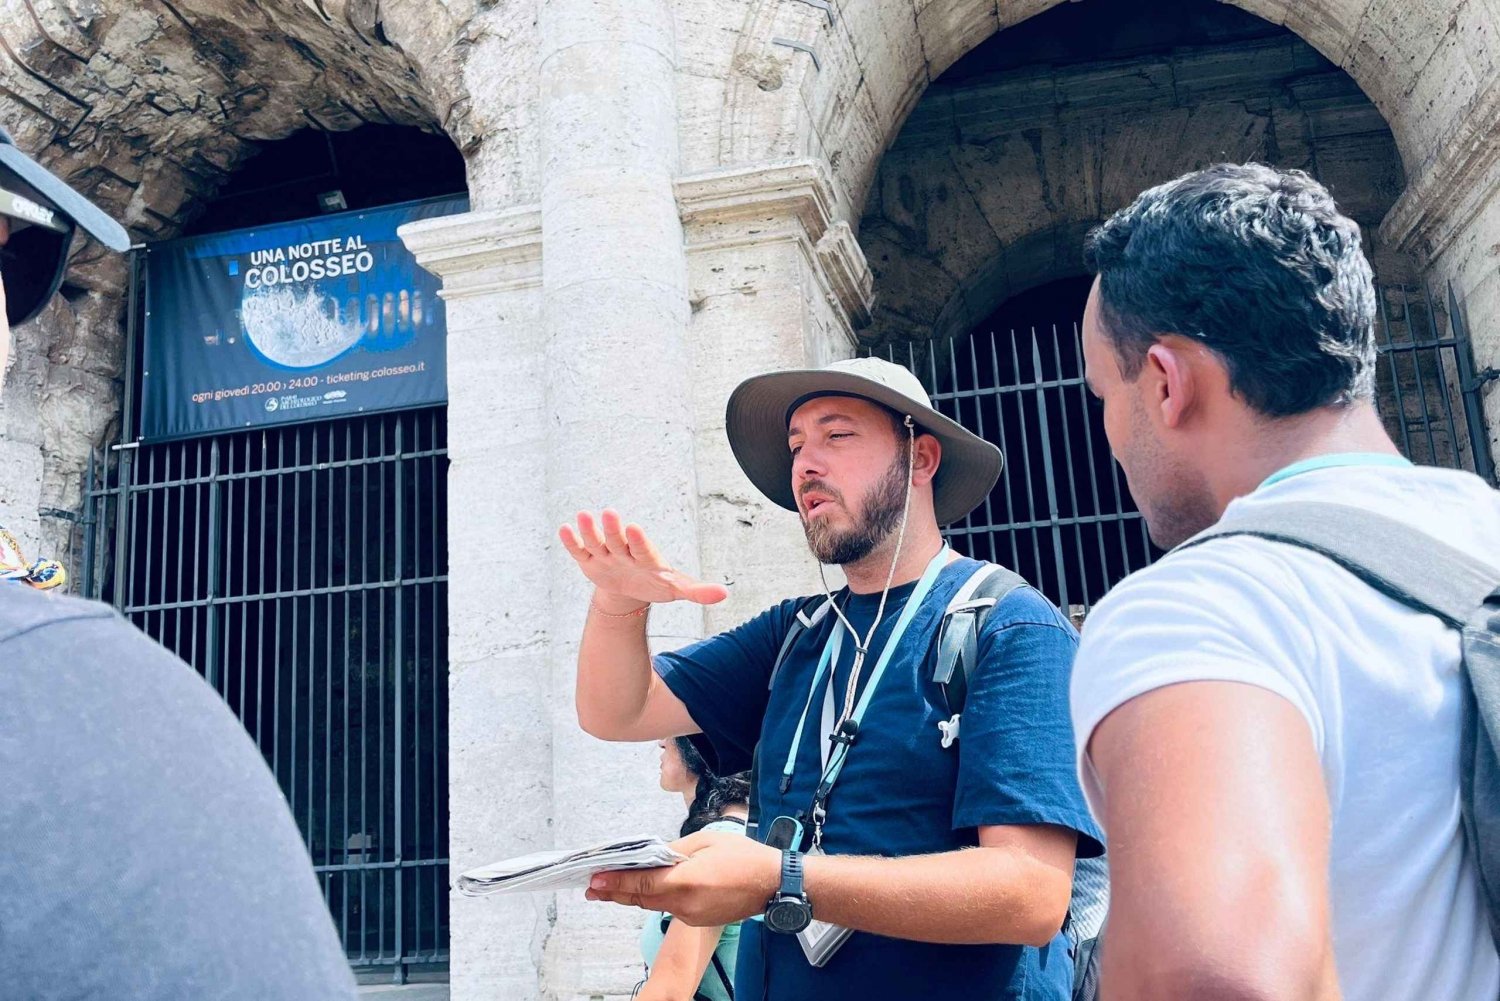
x: 989, y: 515
x: 125, y: 517
x: 260, y: 608
x: 1414, y: 346
x: 1385, y: 325
x: 198, y: 559
x: 381, y: 663
x: 297, y: 551
x: 1416, y: 365
x: 426, y: 863
x: 1009, y: 389
x: 140, y: 273
x: 125, y: 510
x: 89, y: 522
x: 400, y: 650
x: 306, y: 592
x: 439, y: 669
x: 1045, y: 523
x: 1010, y: 504
x: 1443, y: 388
x: 270, y: 473
x: 214, y: 666
x: 1471, y: 387
x: 1036, y: 548
x: 1044, y: 425
x: 328, y: 524
x: 151, y: 542
x: 347, y: 697
x: 176, y: 582
x: 1072, y: 468
x: 364, y: 662
x: 276, y: 641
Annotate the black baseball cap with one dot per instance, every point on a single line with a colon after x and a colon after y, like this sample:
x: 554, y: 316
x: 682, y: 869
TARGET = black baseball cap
x: 43, y: 213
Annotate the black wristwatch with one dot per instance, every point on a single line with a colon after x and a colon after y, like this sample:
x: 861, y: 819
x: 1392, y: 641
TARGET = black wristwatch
x: 789, y: 911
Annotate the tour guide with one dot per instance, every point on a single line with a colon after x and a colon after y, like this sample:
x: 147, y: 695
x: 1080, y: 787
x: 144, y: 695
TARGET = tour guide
x: 952, y: 860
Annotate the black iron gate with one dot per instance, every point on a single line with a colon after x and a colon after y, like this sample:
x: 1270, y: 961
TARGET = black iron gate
x: 1061, y: 515
x: 303, y: 571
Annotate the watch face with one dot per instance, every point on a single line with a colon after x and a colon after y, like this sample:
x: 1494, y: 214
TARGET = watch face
x: 788, y: 915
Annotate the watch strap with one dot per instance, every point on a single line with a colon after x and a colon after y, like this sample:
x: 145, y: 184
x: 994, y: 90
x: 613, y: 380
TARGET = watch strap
x: 791, y: 873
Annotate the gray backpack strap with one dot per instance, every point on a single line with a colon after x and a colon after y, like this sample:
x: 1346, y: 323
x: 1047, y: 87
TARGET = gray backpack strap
x: 1400, y: 561
x: 958, y: 637
x: 804, y: 621
x: 1410, y: 566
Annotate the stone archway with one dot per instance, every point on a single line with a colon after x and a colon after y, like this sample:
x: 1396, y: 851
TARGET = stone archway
x: 1043, y: 130
x: 1422, y: 65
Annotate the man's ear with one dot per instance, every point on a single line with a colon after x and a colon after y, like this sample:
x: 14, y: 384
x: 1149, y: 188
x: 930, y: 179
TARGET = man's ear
x: 1173, y: 385
x: 925, y: 463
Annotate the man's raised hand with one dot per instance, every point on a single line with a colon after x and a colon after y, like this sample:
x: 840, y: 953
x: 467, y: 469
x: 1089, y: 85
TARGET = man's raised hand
x: 626, y: 568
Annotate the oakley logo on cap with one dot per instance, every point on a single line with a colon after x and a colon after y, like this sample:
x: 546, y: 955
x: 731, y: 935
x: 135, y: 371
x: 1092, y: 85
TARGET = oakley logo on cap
x: 30, y: 211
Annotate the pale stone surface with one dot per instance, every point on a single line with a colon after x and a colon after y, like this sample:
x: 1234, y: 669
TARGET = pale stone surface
x: 500, y: 618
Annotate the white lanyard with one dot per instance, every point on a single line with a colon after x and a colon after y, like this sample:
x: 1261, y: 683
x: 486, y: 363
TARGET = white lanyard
x: 833, y: 763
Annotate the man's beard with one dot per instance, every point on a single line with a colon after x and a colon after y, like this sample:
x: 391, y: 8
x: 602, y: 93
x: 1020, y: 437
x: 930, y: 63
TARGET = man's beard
x: 883, y: 506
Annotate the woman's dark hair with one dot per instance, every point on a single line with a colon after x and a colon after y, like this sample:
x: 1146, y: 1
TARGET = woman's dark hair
x: 715, y: 793
x: 1259, y: 265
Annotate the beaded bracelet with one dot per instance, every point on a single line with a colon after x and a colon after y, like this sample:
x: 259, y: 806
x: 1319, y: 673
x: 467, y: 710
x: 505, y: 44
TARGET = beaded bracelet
x: 620, y: 615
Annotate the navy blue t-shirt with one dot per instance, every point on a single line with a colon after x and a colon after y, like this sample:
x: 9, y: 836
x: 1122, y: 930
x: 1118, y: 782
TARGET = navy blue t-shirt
x: 900, y: 792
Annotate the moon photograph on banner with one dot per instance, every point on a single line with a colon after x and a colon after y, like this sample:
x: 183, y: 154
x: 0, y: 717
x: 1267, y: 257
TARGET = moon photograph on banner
x: 307, y: 320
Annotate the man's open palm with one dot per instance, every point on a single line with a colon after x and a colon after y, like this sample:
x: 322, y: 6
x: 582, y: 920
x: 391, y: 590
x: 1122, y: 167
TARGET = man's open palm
x: 621, y: 561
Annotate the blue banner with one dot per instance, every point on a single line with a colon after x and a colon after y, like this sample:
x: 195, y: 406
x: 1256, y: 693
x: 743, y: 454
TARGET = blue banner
x: 310, y: 320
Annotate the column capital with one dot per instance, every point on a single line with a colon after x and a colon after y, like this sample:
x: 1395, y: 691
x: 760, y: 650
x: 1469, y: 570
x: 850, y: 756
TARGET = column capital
x: 788, y: 200
x: 475, y: 253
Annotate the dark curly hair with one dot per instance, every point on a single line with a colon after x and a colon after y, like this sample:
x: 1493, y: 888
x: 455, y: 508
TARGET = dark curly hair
x: 1259, y: 265
x: 715, y: 793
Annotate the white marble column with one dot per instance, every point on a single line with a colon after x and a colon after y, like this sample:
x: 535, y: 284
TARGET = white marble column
x: 499, y: 611
x: 619, y: 411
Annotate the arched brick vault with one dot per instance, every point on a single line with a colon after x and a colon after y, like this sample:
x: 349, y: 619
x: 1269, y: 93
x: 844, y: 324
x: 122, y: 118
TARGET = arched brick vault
x: 1422, y: 64
x: 996, y: 178
x: 148, y: 105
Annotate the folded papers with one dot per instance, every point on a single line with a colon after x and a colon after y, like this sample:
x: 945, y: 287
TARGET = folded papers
x: 560, y: 870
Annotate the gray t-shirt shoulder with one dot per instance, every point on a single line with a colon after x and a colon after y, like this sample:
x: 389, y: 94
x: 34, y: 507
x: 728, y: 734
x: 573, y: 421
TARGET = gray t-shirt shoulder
x: 146, y: 852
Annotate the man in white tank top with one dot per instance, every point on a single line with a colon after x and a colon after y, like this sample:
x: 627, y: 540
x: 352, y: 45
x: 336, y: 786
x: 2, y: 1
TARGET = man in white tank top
x: 1271, y: 745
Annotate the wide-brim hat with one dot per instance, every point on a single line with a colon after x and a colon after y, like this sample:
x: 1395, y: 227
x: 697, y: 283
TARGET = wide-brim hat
x: 761, y: 407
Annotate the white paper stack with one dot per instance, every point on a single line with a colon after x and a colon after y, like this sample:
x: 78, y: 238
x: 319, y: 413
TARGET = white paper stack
x: 559, y: 870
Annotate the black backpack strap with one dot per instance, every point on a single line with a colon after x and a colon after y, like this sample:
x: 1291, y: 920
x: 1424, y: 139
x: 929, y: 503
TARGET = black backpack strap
x: 724, y: 977
x: 812, y: 612
x: 1402, y: 562
x: 718, y: 965
x: 958, y: 634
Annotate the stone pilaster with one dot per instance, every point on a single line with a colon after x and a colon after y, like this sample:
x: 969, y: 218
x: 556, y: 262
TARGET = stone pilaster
x: 776, y: 281
x: 499, y: 608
